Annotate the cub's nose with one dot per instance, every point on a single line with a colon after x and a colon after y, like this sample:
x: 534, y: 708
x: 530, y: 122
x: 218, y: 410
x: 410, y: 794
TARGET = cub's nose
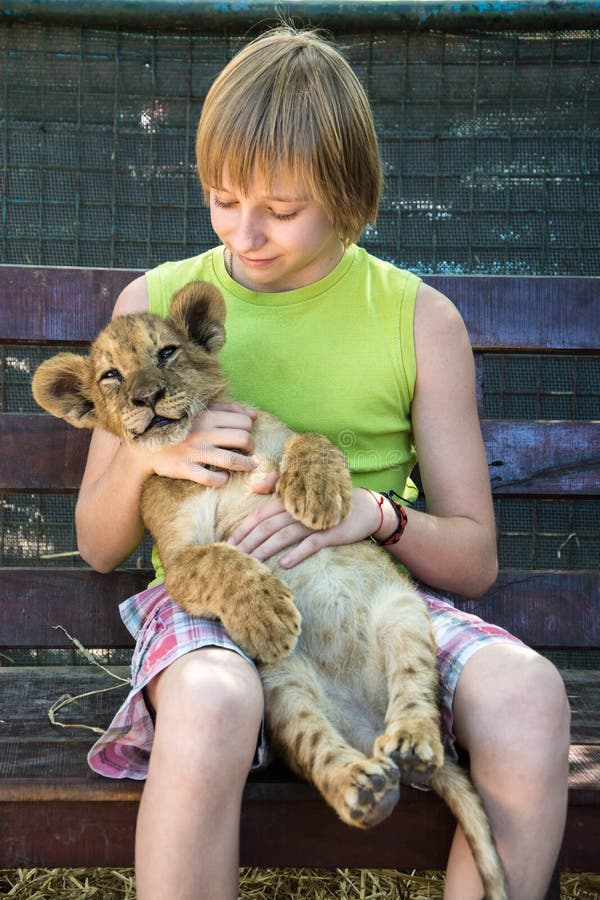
x: 147, y: 395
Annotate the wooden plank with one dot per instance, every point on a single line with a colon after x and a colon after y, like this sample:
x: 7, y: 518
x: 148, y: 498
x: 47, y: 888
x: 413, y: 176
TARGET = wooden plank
x: 579, y: 851
x: 584, y: 771
x: 545, y: 609
x: 278, y: 828
x: 28, y: 739
x: 87, y: 788
x: 31, y: 747
x: 52, y: 304
x: 33, y: 601
x: 504, y: 312
x: 289, y: 825
x: 39, y: 452
x: 583, y: 690
x: 525, y: 458
x: 543, y: 458
x: 524, y: 314
x: 282, y: 825
x: 67, y: 834
x: 102, y: 834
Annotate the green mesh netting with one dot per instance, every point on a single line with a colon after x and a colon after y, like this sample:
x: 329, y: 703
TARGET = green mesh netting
x: 490, y: 142
x: 491, y: 150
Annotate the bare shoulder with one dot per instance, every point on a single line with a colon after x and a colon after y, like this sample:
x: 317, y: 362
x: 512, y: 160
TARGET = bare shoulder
x: 436, y: 315
x: 442, y: 346
x: 133, y: 298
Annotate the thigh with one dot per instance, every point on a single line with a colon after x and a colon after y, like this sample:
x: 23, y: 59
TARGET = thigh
x: 459, y: 636
x: 507, y: 694
x: 165, y: 636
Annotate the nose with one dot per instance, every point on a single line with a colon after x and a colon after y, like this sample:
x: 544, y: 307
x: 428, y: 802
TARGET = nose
x: 147, y: 395
x: 249, y: 233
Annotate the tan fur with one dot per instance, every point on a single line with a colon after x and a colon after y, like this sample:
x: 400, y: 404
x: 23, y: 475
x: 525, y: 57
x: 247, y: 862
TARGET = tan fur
x: 354, y: 707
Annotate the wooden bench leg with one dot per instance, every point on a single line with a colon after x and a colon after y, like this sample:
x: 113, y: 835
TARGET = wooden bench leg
x: 554, y: 887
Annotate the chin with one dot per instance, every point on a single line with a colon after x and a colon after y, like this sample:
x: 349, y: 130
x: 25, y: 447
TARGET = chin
x: 159, y: 436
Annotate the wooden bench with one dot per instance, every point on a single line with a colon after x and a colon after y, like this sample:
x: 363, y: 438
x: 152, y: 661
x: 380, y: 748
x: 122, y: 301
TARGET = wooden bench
x: 54, y: 811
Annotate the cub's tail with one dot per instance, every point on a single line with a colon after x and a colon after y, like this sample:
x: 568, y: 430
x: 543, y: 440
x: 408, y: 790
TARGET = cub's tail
x: 456, y: 789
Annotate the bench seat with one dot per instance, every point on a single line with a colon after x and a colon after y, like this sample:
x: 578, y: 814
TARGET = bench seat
x: 43, y: 773
x: 55, y: 812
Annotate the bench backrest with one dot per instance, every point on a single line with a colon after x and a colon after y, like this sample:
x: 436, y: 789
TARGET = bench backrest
x: 530, y: 458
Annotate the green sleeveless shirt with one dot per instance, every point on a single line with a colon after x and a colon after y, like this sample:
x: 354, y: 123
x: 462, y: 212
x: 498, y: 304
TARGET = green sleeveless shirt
x: 336, y: 356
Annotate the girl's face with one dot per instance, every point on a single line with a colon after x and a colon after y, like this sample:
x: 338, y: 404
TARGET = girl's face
x: 279, y: 239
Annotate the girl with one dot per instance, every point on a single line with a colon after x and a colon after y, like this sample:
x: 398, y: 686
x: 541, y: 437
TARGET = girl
x: 333, y: 340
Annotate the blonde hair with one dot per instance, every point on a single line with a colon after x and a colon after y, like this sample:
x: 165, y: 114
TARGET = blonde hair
x: 290, y: 105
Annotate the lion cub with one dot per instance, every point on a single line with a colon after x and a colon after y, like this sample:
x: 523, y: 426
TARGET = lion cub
x: 351, y: 697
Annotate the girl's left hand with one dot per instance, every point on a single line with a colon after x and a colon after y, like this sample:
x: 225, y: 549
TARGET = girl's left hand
x: 271, y: 529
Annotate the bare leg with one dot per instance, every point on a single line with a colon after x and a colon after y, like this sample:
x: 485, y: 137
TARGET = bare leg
x: 512, y: 715
x: 209, y: 705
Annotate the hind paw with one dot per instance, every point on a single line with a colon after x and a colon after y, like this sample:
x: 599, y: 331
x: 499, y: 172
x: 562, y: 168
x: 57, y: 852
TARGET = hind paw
x: 417, y: 751
x: 366, y: 792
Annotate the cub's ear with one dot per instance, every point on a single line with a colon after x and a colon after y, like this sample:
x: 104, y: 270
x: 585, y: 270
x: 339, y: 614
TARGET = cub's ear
x: 198, y: 310
x: 61, y: 385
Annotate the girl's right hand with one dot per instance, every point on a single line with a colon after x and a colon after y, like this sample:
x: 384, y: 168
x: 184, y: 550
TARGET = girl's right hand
x: 221, y: 437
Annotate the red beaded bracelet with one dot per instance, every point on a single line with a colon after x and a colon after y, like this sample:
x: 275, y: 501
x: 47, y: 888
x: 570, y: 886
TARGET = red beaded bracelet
x: 398, y: 509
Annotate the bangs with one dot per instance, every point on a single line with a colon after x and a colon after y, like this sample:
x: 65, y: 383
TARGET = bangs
x: 264, y: 131
x: 232, y: 157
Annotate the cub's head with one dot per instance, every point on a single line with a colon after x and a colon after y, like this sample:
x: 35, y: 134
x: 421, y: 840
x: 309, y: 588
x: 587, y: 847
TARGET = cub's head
x: 145, y: 378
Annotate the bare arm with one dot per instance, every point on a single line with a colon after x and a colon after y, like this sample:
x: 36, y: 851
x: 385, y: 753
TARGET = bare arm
x: 453, y: 545
x: 108, y: 519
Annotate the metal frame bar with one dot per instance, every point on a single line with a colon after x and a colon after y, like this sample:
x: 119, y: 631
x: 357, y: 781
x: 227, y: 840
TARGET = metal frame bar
x: 459, y: 16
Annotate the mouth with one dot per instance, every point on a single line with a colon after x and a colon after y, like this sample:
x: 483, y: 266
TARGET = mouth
x: 258, y: 263
x: 159, y: 422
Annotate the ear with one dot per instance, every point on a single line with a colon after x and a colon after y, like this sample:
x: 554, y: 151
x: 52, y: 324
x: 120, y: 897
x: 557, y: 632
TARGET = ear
x: 61, y: 386
x: 199, y: 311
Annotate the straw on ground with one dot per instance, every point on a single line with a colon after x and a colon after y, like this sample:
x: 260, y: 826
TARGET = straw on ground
x: 260, y: 884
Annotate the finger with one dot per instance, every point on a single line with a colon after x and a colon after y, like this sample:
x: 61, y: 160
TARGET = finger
x: 235, y: 408
x: 229, y: 438
x: 222, y: 419
x: 265, y: 484
x: 316, y: 540
x: 195, y: 472
x: 221, y: 458
x: 215, y: 417
x: 267, y: 517
x: 284, y: 537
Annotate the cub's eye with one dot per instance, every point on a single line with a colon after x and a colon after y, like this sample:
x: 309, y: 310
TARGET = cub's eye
x: 111, y: 375
x: 165, y: 353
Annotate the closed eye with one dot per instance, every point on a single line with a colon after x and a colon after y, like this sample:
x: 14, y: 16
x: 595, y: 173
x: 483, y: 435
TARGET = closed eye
x: 283, y: 217
x: 166, y: 353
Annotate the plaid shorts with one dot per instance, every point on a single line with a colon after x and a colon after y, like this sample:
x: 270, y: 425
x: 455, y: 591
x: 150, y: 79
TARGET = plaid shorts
x: 164, y: 632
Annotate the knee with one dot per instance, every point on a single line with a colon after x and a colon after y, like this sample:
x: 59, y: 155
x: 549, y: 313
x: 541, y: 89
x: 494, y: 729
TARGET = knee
x: 209, y: 710
x: 541, y: 695
x: 221, y: 693
x: 516, y: 699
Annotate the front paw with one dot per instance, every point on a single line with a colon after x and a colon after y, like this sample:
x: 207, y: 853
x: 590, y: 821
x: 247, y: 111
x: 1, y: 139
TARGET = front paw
x: 255, y: 607
x: 314, y: 483
x: 262, y: 618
